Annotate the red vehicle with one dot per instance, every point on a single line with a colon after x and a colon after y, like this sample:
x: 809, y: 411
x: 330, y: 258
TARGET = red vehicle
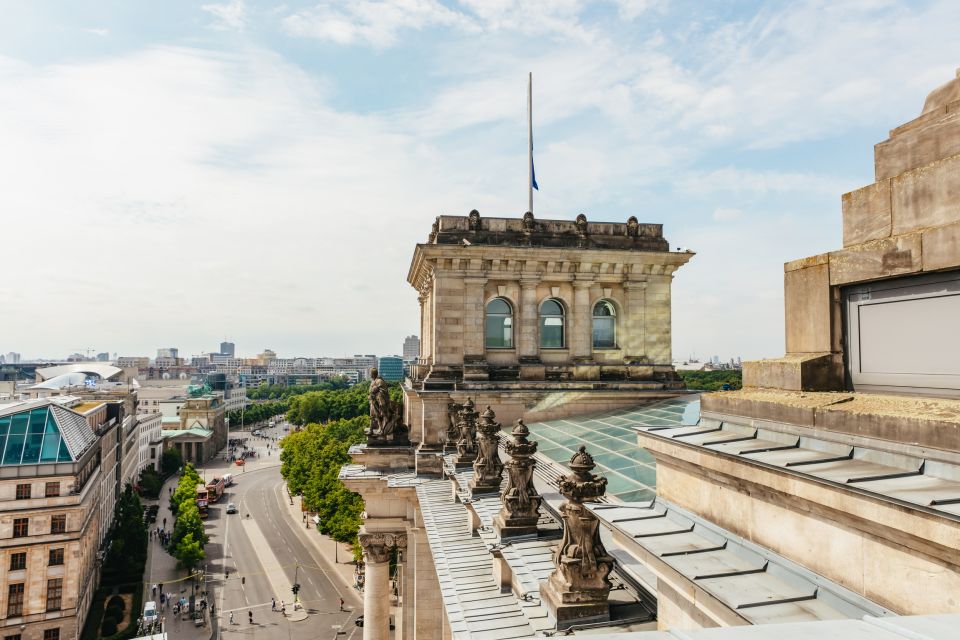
x: 202, y: 500
x: 240, y: 462
x: 215, y: 490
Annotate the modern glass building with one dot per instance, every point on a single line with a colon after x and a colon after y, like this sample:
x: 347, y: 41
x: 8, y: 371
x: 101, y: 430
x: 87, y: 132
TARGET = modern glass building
x: 390, y: 368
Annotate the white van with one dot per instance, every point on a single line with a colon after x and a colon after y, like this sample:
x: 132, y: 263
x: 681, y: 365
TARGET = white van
x: 227, y: 479
x: 150, y: 612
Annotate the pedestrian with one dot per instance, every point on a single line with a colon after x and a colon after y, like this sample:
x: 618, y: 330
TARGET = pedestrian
x: 164, y: 523
x: 231, y: 617
x: 250, y: 616
x: 341, y: 604
x: 170, y: 490
x: 154, y: 591
x: 273, y: 604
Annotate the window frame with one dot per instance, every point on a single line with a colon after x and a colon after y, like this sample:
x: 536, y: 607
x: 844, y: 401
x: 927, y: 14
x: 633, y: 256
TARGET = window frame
x: 23, y: 523
x: 62, y: 556
x: 54, y: 594
x: 55, y: 520
x: 541, y: 317
x: 18, y: 566
x: 51, y: 634
x: 52, y: 490
x: 24, y: 491
x: 606, y: 319
x: 15, y: 599
x: 487, y: 316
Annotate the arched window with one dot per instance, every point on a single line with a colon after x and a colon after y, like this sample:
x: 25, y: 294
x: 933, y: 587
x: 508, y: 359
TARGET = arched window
x: 499, y: 324
x: 551, y: 325
x: 604, y: 325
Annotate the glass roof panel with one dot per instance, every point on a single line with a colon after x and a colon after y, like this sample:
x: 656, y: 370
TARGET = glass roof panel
x: 611, y: 440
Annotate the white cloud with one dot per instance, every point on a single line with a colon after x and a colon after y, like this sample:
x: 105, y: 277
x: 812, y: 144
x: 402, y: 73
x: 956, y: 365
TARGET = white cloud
x: 229, y: 16
x: 98, y: 31
x: 727, y: 214
x: 375, y: 22
x: 761, y: 183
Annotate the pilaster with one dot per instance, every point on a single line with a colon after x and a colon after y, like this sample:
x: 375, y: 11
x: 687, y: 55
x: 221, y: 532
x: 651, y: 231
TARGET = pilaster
x: 527, y: 343
x: 633, y: 331
x: 580, y: 315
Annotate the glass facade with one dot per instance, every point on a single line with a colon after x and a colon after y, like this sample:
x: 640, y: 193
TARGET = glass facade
x: 31, y: 437
x: 390, y: 368
x: 551, y: 325
x: 499, y: 324
x: 612, y: 441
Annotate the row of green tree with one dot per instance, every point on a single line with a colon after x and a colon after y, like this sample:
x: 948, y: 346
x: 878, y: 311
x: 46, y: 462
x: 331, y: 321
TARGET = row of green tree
x: 279, y: 391
x: 712, y: 380
x: 188, y: 537
x: 311, y: 459
x: 257, y: 412
x: 321, y: 406
x: 128, y: 547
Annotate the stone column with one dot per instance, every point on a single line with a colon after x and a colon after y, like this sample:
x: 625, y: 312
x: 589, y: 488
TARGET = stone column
x: 424, y: 338
x: 526, y: 331
x: 377, y: 548
x: 578, y: 588
x: 473, y: 318
x: 632, y: 332
x: 581, y: 333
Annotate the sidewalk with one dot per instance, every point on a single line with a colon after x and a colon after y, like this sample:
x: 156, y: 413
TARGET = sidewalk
x: 161, y: 569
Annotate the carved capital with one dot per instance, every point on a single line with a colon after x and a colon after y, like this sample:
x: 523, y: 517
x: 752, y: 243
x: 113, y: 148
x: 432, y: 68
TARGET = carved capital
x: 377, y: 546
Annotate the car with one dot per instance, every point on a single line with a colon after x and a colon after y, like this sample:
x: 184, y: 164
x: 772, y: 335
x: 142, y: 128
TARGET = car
x: 150, y: 612
x: 231, y: 508
x: 240, y: 462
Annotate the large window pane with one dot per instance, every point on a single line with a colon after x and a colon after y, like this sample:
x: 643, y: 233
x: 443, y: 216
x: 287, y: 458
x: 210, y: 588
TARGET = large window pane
x: 18, y: 433
x: 604, y: 326
x: 551, y: 325
x: 499, y: 324
x: 31, y: 449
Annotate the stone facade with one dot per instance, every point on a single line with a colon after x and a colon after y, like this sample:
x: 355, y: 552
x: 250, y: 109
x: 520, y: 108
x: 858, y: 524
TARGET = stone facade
x: 585, y: 363
x: 906, y: 223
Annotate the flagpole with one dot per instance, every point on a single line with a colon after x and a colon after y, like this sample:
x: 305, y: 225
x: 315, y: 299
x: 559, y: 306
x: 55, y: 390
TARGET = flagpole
x: 530, y: 142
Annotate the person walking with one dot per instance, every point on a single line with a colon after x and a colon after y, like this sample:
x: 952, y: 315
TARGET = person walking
x: 250, y: 616
x: 341, y: 604
x: 273, y: 604
x: 231, y: 617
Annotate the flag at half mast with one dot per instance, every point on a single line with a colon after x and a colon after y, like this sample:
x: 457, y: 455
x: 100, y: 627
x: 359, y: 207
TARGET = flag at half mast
x: 533, y: 175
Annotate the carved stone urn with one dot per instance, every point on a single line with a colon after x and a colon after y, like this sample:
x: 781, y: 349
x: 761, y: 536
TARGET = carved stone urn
x: 487, y: 468
x: 521, y: 502
x: 578, y: 588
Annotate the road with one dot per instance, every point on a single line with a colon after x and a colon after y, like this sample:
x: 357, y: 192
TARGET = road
x: 263, y: 553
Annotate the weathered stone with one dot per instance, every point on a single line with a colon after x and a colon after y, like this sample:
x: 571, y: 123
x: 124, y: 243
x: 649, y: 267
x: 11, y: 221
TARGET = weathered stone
x: 807, y: 310
x: 386, y: 416
x: 487, y: 468
x: 866, y: 214
x: 521, y: 502
x: 466, y: 436
x: 941, y: 247
x: 927, y: 197
x: 796, y: 372
x: 578, y: 588
x: 877, y: 259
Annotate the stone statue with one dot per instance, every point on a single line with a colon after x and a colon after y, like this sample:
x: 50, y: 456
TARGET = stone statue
x: 633, y: 227
x: 529, y: 225
x: 474, y: 220
x: 581, y: 223
x: 521, y: 502
x: 466, y: 435
x: 386, y: 416
x: 487, y: 468
x: 577, y: 590
x: 453, y: 431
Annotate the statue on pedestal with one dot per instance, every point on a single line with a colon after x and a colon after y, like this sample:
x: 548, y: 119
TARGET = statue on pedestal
x: 521, y: 502
x: 487, y: 468
x: 466, y: 436
x: 453, y: 431
x: 386, y: 416
x: 577, y: 590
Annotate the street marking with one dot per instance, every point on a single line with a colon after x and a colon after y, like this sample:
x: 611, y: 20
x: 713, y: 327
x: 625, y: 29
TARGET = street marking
x: 280, y: 583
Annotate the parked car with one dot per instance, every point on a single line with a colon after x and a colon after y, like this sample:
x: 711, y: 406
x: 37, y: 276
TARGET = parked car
x: 240, y: 462
x: 150, y: 612
x: 231, y: 508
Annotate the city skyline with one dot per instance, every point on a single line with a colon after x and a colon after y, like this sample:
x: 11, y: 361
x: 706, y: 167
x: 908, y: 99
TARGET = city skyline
x: 318, y: 142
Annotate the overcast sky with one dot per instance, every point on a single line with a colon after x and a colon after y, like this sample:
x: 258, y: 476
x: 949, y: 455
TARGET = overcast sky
x: 174, y: 173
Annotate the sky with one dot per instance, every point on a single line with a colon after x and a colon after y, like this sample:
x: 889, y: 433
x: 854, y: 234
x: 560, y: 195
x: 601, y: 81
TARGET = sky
x: 176, y: 173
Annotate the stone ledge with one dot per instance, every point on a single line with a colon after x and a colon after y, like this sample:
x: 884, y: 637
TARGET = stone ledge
x: 796, y: 372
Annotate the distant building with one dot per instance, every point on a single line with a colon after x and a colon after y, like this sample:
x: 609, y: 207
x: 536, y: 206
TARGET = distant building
x: 411, y: 348
x: 391, y: 368
x: 140, y: 363
x: 13, y: 357
x: 169, y: 352
x: 227, y: 349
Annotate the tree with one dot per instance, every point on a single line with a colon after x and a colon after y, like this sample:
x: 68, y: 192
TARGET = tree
x: 170, y: 461
x: 128, y: 547
x: 712, y: 380
x: 188, y: 523
x: 189, y: 553
x: 150, y: 483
